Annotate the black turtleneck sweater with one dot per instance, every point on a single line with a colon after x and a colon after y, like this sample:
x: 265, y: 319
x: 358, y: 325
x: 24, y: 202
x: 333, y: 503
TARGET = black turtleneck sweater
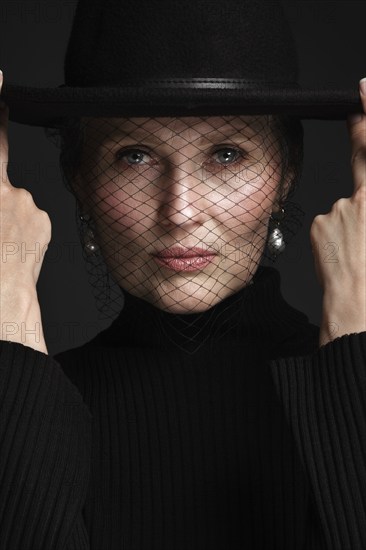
x: 227, y: 430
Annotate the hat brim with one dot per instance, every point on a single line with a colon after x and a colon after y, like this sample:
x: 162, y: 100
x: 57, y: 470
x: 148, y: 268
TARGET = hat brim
x: 49, y: 107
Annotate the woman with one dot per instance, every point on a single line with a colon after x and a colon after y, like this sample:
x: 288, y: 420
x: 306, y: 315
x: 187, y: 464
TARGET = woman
x: 210, y: 413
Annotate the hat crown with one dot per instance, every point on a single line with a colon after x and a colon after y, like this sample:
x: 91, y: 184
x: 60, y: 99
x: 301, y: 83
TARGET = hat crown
x: 117, y: 41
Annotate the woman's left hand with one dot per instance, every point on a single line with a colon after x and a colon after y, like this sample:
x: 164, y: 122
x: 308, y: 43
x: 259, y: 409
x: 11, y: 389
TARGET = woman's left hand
x: 338, y: 242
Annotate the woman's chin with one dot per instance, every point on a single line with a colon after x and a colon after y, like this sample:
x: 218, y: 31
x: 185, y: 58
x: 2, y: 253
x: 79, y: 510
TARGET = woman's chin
x: 182, y: 301
x: 184, y: 297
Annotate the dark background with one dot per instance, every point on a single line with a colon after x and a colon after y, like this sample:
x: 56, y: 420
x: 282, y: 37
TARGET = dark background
x: 331, y: 39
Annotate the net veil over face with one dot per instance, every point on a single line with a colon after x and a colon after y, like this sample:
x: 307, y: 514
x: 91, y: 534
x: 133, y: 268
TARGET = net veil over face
x: 178, y: 209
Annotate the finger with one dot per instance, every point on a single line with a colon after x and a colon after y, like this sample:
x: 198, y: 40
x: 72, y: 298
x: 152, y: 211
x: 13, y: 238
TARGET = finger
x: 357, y: 132
x: 4, y: 144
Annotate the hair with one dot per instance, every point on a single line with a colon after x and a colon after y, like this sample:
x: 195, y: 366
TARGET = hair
x: 288, y: 132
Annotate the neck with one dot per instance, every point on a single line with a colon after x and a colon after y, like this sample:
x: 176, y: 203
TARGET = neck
x: 255, y: 312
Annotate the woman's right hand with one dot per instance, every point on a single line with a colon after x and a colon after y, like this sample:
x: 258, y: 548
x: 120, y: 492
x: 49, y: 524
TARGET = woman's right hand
x: 25, y: 232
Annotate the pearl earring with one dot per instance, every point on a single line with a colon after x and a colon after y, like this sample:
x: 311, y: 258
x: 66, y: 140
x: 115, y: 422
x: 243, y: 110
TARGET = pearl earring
x: 276, y: 243
x: 89, y: 244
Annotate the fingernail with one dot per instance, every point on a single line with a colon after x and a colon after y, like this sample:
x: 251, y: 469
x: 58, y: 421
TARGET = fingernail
x: 355, y: 118
x: 363, y: 86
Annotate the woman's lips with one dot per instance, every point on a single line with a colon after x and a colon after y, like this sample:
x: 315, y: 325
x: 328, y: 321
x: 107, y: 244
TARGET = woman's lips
x: 185, y: 264
x: 185, y: 259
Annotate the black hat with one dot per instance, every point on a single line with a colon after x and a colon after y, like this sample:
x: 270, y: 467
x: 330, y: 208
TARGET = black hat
x: 178, y: 58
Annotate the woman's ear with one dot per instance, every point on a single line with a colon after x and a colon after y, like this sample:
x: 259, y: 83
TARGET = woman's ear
x: 285, y: 187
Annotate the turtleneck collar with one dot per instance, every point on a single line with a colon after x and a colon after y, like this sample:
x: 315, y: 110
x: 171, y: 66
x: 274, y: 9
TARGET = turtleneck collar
x: 255, y: 312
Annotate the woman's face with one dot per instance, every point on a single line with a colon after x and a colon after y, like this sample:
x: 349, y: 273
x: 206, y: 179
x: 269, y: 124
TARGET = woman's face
x: 152, y: 184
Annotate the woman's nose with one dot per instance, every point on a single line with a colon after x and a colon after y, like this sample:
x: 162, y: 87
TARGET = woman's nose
x: 182, y: 199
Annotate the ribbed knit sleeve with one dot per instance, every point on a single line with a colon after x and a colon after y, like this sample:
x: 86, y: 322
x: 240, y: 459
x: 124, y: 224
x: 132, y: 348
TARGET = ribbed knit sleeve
x: 324, y: 398
x: 45, y: 447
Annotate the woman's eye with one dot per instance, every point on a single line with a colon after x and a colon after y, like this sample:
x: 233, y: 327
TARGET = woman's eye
x: 227, y: 155
x: 133, y: 157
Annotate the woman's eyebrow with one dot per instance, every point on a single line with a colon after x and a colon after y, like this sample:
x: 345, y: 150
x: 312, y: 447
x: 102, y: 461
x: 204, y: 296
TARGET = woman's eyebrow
x: 223, y: 134
x: 166, y: 135
x: 228, y: 133
x: 241, y: 136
